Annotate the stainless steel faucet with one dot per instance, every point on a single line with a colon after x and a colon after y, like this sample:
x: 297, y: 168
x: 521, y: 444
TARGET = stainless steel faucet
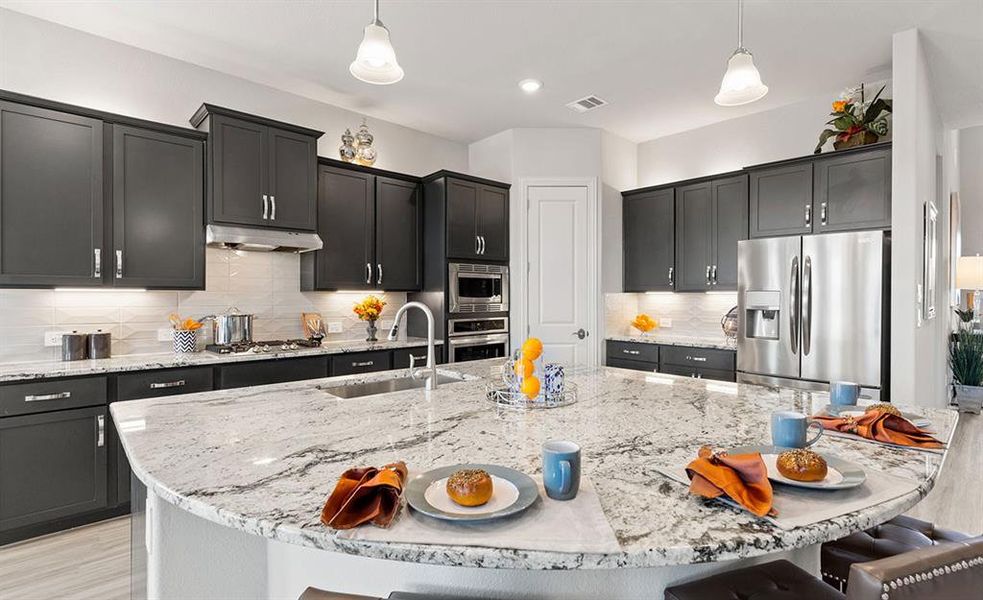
x: 431, y: 361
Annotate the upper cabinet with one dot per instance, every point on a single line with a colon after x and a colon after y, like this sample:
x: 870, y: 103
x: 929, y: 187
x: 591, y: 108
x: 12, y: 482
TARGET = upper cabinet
x: 729, y: 226
x: 711, y: 217
x: 649, y: 241
x: 263, y: 173
x: 477, y: 220
x: 96, y: 199
x: 781, y: 200
x: 371, y: 225
x: 51, y: 200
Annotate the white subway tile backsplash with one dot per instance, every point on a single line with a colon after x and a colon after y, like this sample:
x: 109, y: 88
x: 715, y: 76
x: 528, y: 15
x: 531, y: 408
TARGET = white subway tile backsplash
x: 691, y: 314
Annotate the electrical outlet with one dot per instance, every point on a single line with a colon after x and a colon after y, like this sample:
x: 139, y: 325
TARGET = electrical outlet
x: 335, y: 327
x: 53, y: 338
x: 165, y: 334
x: 667, y: 323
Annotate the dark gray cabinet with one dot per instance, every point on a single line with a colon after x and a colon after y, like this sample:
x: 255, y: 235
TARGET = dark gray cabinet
x: 271, y: 371
x: 853, y: 191
x: 493, y: 222
x: 51, y: 198
x: 371, y: 226
x: 729, y: 198
x: 158, y: 205
x: 361, y: 362
x: 694, y: 219
x: 649, y: 241
x: 781, y: 200
x: 685, y: 361
x: 164, y: 382
x: 263, y: 173
x: 52, y: 465
x: 401, y: 358
x: 477, y: 221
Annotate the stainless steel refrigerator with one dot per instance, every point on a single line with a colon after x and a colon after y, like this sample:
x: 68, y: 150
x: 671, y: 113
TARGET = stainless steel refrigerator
x: 815, y: 309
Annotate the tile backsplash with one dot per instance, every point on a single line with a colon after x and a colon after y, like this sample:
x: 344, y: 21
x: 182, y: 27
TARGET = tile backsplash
x: 266, y: 284
x: 691, y: 314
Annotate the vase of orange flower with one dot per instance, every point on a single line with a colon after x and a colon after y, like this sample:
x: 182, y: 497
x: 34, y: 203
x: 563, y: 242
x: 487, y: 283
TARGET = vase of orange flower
x: 856, y: 120
x: 369, y: 310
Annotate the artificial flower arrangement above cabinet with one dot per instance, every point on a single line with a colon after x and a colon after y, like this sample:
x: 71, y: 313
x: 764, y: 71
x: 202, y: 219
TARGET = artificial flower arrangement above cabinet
x: 856, y: 121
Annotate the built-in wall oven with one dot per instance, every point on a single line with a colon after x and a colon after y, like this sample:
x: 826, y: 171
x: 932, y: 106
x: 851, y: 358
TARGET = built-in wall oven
x: 477, y: 347
x: 477, y: 288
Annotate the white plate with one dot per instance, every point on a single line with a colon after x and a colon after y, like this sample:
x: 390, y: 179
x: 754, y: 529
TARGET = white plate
x: 504, y: 495
x: 841, y: 474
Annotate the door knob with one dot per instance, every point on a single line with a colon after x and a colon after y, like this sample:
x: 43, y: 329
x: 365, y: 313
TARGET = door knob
x: 581, y: 333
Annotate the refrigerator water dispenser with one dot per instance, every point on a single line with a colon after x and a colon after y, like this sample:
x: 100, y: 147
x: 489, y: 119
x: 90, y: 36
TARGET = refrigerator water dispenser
x: 763, y: 309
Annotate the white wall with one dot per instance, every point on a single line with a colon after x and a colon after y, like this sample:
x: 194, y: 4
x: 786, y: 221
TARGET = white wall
x: 919, y: 373
x: 43, y: 59
x: 784, y: 132
x: 971, y: 189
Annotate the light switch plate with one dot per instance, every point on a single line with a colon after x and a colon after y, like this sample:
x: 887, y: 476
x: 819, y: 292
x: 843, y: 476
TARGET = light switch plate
x: 165, y: 334
x: 335, y: 327
x: 53, y: 338
x: 667, y: 323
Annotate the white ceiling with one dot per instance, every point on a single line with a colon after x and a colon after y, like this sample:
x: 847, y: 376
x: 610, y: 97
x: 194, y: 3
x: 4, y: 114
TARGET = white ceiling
x: 658, y: 63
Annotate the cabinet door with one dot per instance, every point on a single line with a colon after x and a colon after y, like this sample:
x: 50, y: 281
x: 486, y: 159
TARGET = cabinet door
x: 246, y: 374
x: 729, y: 227
x: 693, y: 244
x: 398, y: 228
x: 853, y: 192
x: 360, y: 362
x: 346, y: 224
x: 239, y: 171
x: 52, y: 465
x: 649, y: 246
x: 781, y: 201
x: 462, y: 219
x: 493, y: 222
x: 158, y: 206
x: 51, y: 198
x: 293, y: 180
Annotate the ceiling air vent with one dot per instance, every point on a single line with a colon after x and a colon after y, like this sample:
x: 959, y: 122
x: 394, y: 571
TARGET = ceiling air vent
x: 586, y: 103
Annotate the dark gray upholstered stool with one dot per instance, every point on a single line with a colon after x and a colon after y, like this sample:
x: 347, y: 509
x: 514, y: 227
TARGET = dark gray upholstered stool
x: 897, y: 536
x: 777, y: 580
x: 312, y: 593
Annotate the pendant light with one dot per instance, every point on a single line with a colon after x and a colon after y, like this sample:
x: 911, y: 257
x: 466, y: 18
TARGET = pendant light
x: 742, y: 82
x: 376, y: 60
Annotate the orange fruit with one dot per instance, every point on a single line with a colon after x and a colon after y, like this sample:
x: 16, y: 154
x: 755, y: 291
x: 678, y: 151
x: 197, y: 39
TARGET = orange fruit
x: 532, y: 349
x: 523, y: 367
x: 530, y: 387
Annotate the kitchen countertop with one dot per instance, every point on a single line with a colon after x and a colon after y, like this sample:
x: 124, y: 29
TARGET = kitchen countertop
x: 718, y: 342
x: 167, y: 360
x: 263, y: 460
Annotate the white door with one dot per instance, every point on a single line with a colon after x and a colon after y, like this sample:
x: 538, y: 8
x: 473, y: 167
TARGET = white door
x: 558, y: 288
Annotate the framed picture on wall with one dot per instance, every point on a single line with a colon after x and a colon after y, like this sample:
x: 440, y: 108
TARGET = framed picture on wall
x: 931, y: 254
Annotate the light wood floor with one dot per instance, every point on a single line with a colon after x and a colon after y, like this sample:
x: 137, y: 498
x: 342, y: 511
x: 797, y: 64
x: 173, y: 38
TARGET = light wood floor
x: 93, y: 562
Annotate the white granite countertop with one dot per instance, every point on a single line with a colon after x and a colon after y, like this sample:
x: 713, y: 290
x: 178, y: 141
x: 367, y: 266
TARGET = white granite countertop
x: 166, y: 360
x: 718, y: 342
x: 263, y: 460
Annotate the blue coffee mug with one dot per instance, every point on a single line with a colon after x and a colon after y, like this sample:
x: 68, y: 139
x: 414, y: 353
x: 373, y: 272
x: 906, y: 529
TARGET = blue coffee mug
x: 844, y: 393
x: 561, y: 469
x: 789, y: 429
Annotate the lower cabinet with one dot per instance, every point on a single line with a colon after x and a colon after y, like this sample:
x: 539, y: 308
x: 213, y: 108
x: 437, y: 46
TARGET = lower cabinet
x: 52, y: 465
x: 251, y: 373
x: 361, y: 362
x: 686, y: 361
x: 401, y: 358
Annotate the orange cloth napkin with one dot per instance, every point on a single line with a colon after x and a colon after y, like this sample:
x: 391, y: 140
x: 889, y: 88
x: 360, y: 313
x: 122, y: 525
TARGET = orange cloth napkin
x: 882, y: 427
x: 742, y: 477
x: 365, y: 495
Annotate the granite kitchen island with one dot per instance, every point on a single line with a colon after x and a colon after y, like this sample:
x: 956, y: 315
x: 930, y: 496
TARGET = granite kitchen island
x: 235, y: 481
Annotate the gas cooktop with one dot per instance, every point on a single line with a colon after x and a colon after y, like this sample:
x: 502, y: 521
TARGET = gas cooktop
x: 262, y: 346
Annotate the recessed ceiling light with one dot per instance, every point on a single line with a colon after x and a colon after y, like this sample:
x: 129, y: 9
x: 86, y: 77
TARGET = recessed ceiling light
x: 530, y: 86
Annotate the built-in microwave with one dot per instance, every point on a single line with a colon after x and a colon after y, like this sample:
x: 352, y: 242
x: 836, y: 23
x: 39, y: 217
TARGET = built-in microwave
x: 478, y: 288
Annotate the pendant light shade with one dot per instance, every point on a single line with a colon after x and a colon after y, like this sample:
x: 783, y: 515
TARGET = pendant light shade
x: 742, y: 82
x: 375, y: 61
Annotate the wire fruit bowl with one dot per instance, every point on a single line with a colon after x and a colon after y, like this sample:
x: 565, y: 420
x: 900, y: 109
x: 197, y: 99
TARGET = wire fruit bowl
x: 504, y: 397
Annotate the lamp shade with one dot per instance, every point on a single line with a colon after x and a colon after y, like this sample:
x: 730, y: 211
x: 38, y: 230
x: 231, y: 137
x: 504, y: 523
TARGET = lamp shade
x: 375, y: 61
x: 969, y: 273
x: 742, y: 82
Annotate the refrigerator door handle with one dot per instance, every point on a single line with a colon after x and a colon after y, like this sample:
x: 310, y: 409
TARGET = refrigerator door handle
x: 807, y: 306
x: 793, y: 305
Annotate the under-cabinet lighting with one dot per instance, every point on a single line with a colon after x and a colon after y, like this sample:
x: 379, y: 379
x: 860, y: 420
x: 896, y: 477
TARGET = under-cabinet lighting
x: 100, y: 290
x: 659, y: 293
x: 720, y: 293
x: 660, y: 380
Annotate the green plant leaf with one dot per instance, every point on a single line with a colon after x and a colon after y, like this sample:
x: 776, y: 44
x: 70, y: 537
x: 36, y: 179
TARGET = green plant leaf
x: 823, y: 137
x: 845, y: 122
x: 875, y: 109
x: 966, y: 358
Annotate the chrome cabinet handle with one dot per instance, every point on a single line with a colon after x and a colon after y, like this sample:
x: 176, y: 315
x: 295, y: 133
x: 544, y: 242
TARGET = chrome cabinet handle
x: 793, y: 306
x: 100, y: 431
x: 266, y: 207
x: 273, y: 208
x: 378, y: 280
x: 477, y: 245
x: 97, y: 259
x: 697, y: 358
x: 822, y: 213
x: 713, y: 275
x: 808, y: 215
x: 41, y: 397
x: 368, y: 273
x: 807, y: 306
x: 671, y: 277
x: 367, y: 363
x: 119, y: 264
x: 157, y: 385
x: 484, y: 245
x: 708, y: 275
x: 632, y: 352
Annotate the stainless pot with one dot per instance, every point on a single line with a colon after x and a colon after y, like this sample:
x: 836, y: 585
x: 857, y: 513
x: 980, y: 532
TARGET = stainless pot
x: 231, y: 327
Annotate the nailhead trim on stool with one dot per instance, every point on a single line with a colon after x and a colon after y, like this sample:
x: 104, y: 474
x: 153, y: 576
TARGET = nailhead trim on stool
x: 949, y: 569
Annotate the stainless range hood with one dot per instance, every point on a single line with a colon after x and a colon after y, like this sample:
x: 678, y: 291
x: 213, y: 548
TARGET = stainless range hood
x: 261, y: 240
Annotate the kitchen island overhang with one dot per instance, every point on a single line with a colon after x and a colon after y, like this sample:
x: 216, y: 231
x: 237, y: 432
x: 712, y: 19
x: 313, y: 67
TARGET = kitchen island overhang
x: 260, y: 462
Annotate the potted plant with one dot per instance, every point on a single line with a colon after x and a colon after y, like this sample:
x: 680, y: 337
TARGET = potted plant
x: 369, y: 310
x: 856, y: 122
x: 966, y: 362
x: 966, y: 317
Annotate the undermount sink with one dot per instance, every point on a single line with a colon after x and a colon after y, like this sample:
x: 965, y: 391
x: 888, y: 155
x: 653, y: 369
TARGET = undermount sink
x: 398, y: 384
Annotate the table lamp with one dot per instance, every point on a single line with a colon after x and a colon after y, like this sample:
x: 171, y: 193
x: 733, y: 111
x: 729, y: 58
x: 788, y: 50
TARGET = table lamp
x: 969, y: 276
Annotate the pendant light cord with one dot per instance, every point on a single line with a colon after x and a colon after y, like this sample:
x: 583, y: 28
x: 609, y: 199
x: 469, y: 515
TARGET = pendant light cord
x: 376, y: 11
x: 740, y: 22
